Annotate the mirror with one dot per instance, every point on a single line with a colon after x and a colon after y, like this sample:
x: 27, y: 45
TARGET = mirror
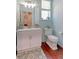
x: 27, y: 19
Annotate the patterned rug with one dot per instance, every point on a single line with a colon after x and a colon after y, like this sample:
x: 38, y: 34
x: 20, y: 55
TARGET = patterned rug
x: 35, y: 53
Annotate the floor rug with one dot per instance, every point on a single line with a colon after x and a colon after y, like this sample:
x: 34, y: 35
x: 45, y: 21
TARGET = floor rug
x: 36, y: 53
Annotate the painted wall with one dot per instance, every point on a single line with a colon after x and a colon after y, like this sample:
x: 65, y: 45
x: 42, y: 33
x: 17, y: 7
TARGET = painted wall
x: 57, y: 14
x: 17, y: 15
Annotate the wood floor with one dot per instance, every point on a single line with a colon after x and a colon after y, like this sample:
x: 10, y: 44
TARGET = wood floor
x: 50, y: 54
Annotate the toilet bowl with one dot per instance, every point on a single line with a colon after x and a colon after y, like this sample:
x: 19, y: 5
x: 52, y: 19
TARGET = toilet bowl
x: 52, y: 41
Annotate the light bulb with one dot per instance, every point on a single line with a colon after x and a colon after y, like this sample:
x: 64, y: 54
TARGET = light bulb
x: 28, y: 5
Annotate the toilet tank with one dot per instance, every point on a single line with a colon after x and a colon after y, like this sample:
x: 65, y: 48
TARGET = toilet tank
x: 48, y: 31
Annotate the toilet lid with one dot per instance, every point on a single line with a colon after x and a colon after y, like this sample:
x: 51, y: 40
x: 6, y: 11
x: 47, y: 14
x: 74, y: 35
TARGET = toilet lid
x: 52, y: 38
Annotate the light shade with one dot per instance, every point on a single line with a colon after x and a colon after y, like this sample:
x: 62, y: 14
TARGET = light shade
x: 28, y: 4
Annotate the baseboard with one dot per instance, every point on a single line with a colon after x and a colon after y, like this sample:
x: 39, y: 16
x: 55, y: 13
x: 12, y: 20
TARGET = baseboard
x: 57, y: 45
x: 61, y: 45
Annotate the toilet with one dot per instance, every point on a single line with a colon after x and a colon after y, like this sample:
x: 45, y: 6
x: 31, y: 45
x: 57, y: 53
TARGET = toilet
x: 52, y: 42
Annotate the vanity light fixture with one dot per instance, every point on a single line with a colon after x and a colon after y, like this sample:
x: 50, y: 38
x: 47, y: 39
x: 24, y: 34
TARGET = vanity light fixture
x: 28, y: 4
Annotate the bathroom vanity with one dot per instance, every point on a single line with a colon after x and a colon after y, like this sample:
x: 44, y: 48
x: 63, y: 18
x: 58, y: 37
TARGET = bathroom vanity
x: 28, y: 38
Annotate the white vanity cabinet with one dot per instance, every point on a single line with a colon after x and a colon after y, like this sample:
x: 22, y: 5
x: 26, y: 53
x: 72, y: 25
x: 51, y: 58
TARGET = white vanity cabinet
x: 29, y: 38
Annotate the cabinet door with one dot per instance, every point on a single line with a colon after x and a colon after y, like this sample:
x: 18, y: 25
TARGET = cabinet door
x: 36, y: 38
x: 22, y: 40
